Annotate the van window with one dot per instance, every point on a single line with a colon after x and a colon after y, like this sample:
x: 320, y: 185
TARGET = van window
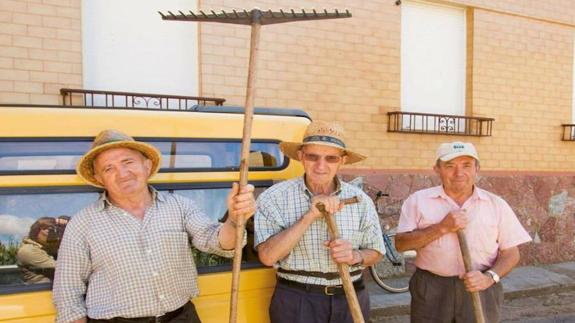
x: 60, y: 155
x: 20, y: 211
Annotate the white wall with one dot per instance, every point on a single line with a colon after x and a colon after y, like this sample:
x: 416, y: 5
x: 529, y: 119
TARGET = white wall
x: 128, y: 47
x: 432, y: 58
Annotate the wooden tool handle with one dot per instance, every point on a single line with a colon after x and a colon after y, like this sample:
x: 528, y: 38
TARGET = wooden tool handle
x: 477, y: 306
x: 351, y: 200
x: 343, y: 269
x: 244, y: 167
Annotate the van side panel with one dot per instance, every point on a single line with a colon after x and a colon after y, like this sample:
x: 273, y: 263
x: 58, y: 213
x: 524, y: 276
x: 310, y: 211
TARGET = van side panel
x: 256, y: 285
x: 256, y: 288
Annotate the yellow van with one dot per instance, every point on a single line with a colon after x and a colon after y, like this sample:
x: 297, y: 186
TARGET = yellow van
x: 40, y: 145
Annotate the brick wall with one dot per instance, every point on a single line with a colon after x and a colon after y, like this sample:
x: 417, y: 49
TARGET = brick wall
x: 40, y: 49
x: 519, y: 72
x: 348, y: 70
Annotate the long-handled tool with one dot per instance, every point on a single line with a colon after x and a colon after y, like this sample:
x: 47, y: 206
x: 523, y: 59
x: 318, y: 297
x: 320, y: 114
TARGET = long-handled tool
x: 477, y: 306
x: 254, y: 18
x: 343, y: 269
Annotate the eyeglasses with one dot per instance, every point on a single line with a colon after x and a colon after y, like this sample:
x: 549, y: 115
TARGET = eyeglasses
x: 331, y: 159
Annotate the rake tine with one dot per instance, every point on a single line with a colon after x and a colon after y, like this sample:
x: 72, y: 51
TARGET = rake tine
x: 325, y: 11
x: 347, y: 12
x: 161, y: 14
x: 271, y: 13
x: 214, y: 13
x: 172, y: 14
x: 225, y: 14
x: 193, y: 14
x: 293, y: 13
x: 236, y: 13
x: 314, y: 12
x: 283, y: 13
x: 303, y: 12
x: 336, y: 13
x: 181, y: 13
x: 246, y: 12
x: 203, y: 14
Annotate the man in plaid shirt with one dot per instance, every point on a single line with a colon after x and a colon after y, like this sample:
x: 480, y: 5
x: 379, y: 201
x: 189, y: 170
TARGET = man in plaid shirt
x: 292, y: 236
x: 127, y: 257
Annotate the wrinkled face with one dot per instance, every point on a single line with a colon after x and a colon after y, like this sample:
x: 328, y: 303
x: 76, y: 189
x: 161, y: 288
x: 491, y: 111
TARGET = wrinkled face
x: 321, y: 163
x: 122, y: 171
x: 458, y: 174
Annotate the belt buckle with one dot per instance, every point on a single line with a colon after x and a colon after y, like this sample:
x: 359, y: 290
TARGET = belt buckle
x: 329, y: 290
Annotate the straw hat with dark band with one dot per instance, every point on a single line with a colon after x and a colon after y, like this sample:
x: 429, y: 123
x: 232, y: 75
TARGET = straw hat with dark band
x: 325, y: 134
x: 109, y: 139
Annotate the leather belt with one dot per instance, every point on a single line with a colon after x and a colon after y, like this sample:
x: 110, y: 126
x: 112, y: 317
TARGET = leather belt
x: 320, y: 289
x: 165, y: 318
x: 328, y: 276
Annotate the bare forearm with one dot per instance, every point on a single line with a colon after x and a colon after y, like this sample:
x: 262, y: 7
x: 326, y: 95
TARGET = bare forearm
x: 370, y: 257
x: 417, y: 239
x: 279, y: 246
x: 227, y: 235
x: 506, y: 261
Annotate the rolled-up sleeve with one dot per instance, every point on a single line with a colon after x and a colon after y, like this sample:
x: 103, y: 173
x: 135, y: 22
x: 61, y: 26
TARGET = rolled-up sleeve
x: 511, y: 232
x: 409, y: 215
x: 203, y: 231
x: 72, y: 273
x: 267, y: 220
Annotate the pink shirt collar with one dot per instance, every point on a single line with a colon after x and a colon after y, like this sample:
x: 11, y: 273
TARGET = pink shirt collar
x: 439, y: 192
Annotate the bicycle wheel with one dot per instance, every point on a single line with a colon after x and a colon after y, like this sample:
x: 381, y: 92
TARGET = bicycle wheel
x: 394, y: 270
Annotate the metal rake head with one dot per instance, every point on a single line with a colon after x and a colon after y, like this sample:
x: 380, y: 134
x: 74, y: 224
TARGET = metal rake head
x: 262, y: 17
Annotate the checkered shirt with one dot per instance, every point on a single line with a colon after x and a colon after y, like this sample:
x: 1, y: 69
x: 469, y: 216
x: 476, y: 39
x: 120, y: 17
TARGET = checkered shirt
x: 111, y: 264
x: 283, y: 204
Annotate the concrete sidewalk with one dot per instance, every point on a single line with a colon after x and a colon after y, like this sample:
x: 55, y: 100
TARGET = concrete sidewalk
x: 521, y: 282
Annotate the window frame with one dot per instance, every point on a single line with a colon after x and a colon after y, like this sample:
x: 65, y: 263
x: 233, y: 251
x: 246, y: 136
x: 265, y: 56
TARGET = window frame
x: 281, y: 166
x: 23, y: 288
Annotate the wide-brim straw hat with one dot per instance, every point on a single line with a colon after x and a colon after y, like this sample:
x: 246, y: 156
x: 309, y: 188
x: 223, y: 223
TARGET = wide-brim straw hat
x: 109, y: 139
x: 325, y: 134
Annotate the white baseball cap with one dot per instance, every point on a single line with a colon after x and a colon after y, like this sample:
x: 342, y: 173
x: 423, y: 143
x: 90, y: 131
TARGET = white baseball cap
x: 449, y: 150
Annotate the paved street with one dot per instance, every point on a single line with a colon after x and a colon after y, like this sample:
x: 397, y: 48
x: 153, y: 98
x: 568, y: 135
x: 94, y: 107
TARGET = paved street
x: 544, y: 294
x: 547, y: 308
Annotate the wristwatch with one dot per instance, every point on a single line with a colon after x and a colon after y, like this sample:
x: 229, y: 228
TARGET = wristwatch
x: 493, y: 275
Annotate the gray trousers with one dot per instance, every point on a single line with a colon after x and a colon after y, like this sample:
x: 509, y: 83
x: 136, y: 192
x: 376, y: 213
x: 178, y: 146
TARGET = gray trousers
x: 292, y: 305
x: 437, y: 299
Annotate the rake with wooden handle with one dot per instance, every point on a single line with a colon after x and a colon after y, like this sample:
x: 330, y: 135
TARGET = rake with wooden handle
x: 476, y: 300
x: 254, y: 18
x: 343, y: 269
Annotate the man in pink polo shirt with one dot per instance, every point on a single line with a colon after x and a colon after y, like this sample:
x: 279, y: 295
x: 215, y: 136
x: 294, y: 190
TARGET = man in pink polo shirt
x: 429, y: 221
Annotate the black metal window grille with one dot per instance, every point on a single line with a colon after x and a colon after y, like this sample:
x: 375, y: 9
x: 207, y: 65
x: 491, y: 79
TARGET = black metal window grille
x: 441, y: 124
x: 113, y: 99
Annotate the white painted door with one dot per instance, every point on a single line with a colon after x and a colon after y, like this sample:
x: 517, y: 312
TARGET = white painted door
x: 433, y: 58
x: 128, y: 47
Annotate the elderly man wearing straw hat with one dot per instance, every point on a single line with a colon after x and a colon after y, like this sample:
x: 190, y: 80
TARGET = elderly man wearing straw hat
x: 429, y: 222
x: 292, y: 236
x: 127, y: 256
